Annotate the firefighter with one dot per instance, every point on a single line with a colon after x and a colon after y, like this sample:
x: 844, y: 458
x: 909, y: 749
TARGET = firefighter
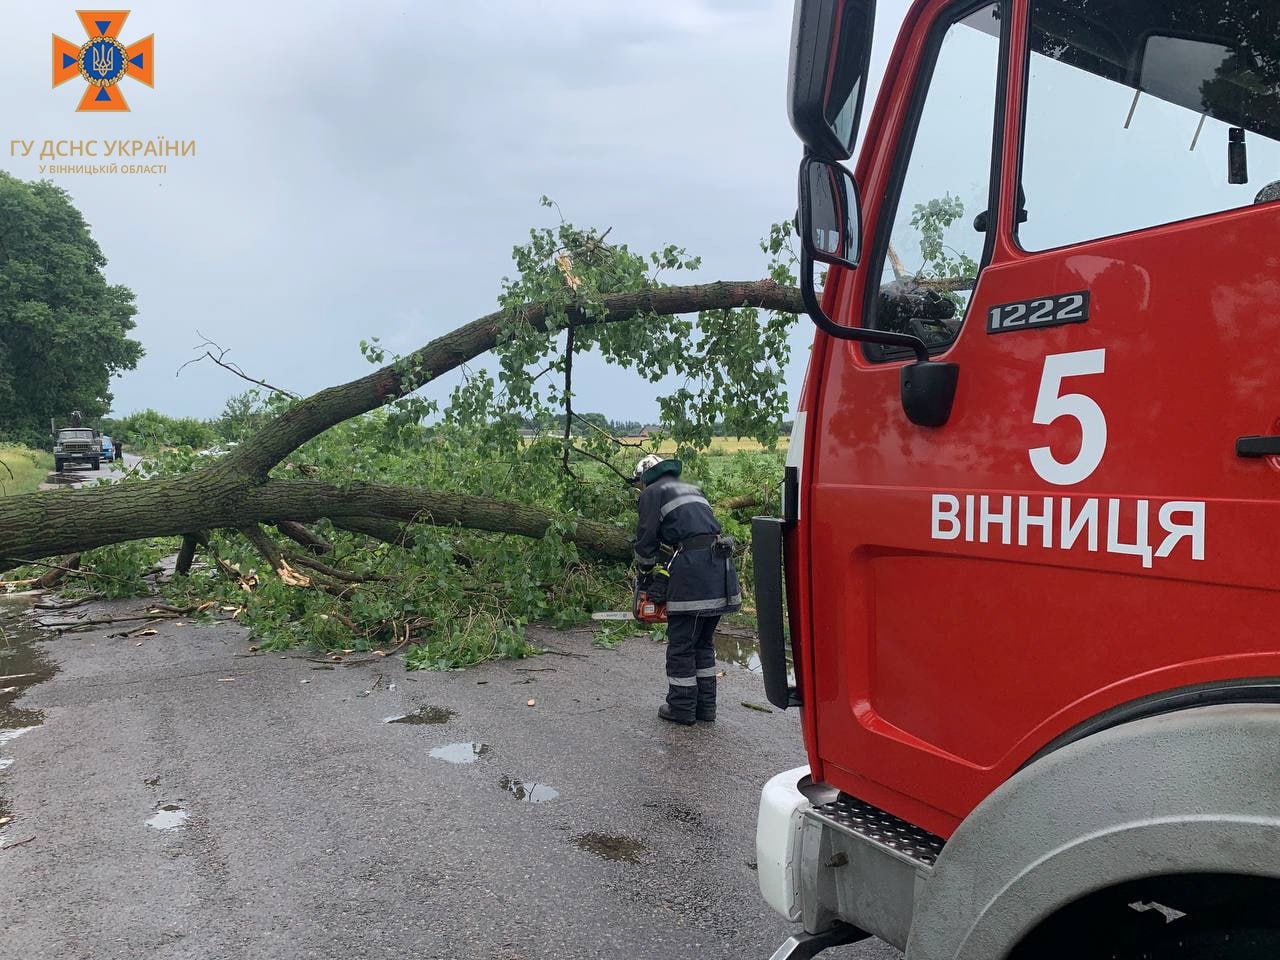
x: 698, y: 583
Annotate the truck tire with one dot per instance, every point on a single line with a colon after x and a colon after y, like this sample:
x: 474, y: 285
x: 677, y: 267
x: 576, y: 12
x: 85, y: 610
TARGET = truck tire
x: 96, y: 463
x: 1233, y: 943
x: 57, y: 465
x: 1194, y: 917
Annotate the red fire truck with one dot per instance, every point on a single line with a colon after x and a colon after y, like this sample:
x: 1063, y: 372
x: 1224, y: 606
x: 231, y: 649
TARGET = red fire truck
x: 1025, y: 591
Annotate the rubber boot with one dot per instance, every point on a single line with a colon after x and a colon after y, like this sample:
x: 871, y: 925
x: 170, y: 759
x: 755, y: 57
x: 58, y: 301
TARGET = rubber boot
x: 680, y: 706
x: 706, y: 710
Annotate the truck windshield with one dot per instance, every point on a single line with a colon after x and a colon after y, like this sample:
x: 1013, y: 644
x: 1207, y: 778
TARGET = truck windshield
x: 75, y: 435
x: 1216, y: 59
x: 1130, y: 108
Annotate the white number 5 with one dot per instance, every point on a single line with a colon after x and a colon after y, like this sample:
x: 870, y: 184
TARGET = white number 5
x: 1050, y: 406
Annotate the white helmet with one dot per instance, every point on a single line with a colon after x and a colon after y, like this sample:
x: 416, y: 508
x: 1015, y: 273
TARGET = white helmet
x: 652, y: 460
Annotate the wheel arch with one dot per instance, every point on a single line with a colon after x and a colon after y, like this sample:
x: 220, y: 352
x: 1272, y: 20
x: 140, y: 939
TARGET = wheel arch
x: 1191, y: 791
x: 1242, y: 690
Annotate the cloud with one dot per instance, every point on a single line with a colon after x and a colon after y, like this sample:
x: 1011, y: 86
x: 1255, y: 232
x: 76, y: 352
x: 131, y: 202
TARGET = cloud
x: 365, y: 170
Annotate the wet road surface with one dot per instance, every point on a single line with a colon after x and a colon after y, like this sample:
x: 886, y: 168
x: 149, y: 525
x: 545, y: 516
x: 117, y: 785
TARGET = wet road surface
x: 173, y: 796
x: 76, y: 475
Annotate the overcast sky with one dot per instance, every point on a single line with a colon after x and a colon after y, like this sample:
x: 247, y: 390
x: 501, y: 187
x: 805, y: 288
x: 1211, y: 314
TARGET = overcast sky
x: 365, y: 169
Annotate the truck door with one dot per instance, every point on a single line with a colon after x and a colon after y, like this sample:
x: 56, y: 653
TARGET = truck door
x: 1073, y: 201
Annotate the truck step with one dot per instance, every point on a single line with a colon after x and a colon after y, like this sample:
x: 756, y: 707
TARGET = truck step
x: 851, y: 815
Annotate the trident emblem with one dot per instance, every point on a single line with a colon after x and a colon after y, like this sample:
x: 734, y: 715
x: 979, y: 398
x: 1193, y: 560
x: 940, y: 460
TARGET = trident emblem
x: 103, y: 62
x: 104, y: 59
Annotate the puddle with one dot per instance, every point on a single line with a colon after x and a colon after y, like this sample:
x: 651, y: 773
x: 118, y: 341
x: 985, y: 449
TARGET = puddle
x: 528, y: 791
x: 14, y: 734
x: 22, y: 664
x: 611, y: 847
x: 168, y: 816
x: 740, y: 650
x: 461, y: 752
x: 427, y: 714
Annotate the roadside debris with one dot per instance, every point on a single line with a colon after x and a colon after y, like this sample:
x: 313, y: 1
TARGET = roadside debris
x: 374, y: 686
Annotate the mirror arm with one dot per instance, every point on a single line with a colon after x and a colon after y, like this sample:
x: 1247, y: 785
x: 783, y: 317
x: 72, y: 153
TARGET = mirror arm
x: 859, y: 334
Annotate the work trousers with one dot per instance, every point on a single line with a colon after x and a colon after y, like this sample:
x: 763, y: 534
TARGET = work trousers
x: 691, y: 666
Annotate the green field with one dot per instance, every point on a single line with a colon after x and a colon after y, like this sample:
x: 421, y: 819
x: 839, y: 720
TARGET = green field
x: 719, y: 446
x: 22, y: 470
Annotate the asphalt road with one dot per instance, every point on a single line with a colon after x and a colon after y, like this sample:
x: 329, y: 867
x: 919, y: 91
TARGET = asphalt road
x: 304, y: 826
x: 78, y: 476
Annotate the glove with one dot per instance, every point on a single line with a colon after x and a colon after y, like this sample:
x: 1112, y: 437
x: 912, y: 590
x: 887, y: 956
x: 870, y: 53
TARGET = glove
x: 657, y: 588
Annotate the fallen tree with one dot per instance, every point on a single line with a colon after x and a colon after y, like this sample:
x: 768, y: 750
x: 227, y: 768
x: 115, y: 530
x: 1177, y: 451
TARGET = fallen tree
x: 237, y: 490
x: 278, y: 497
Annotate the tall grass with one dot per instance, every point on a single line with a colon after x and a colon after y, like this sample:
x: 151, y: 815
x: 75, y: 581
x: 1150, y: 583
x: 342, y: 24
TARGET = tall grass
x: 22, y: 470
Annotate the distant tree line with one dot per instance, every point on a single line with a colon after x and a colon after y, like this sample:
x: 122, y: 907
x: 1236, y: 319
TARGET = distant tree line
x: 64, y: 330
x: 619, y: 428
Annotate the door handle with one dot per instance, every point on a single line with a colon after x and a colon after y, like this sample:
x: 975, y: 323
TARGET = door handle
x: 1258, y: 446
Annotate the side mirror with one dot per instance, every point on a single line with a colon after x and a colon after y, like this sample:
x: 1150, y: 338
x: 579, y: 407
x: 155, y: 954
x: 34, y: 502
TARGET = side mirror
x: 830, y: 215
x: 829, y: 223
x: 830, y: 53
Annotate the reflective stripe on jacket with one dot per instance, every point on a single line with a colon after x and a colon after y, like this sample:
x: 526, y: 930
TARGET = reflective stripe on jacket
x: 672, y: 512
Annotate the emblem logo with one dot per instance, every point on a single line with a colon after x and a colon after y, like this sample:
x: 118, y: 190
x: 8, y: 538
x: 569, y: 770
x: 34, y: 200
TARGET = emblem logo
x: 103, y: 61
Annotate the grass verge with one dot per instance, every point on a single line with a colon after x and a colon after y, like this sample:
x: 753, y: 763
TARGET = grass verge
x: 22, y: 470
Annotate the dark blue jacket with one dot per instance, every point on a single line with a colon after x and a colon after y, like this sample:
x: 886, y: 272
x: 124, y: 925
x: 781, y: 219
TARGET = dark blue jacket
x: 701, y: 582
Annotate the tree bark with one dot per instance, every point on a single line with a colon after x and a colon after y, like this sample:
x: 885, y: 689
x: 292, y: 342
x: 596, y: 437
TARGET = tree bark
x: 313, y: 499
x: 167, y: 508
x: 299, y: 534
x: 278, y: 438
x: 235, y: 490
x: 388, y: 531
x: 265, y: 546
x: 56, y: 573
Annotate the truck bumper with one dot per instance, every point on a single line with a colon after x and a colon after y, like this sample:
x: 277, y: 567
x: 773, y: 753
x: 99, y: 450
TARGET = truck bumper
x: 778, y: 827
x: 832, y: 862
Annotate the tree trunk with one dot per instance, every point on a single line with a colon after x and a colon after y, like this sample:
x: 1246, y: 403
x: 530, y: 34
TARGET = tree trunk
x: 296, y: 532
x: 388, y: 531
x: 187, y: 553
x: 42, y: 525
x: 235, y: 492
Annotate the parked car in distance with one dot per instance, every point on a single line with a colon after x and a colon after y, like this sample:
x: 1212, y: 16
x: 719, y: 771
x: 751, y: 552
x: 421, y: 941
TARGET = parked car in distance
x: 108, y: 449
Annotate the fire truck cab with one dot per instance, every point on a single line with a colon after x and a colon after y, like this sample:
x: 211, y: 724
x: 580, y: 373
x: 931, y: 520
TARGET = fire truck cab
x: 1025, y: 589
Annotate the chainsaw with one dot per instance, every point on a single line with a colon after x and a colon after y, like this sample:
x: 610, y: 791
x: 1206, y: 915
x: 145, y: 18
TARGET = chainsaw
x: 643, y: 610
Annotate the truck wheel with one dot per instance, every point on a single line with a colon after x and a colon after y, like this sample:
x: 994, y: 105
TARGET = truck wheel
x: 1183, y: 917
x: 57, y: 465
x: 1235, y: 943
x: 97, y: 464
